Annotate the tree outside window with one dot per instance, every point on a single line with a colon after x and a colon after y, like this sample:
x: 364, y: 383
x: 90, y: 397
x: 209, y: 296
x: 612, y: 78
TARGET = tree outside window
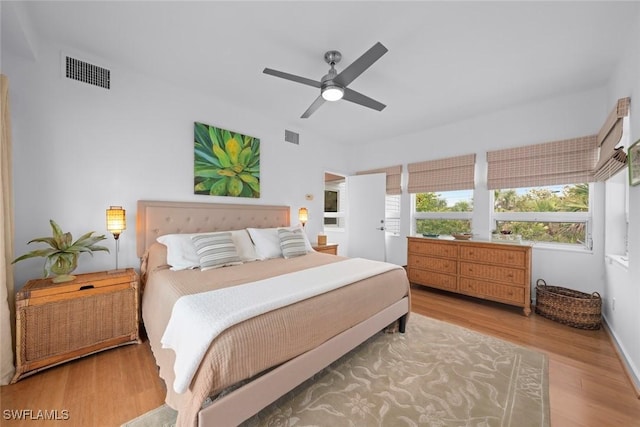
x: 556, y: 214
x: 447, y: 212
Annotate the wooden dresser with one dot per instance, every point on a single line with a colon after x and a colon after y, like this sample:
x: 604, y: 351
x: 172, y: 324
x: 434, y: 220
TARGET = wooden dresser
x: 494, y: 271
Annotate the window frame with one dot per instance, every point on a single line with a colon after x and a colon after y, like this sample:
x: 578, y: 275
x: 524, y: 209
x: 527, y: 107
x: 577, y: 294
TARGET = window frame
x: 415, y: 215
x: 392, y: 214
x: 582, y: 217
x: 340, y: 215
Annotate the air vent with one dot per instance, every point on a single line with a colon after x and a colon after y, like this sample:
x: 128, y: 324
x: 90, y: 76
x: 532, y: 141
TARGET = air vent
x: 87, y: 73
x: 291, y: 137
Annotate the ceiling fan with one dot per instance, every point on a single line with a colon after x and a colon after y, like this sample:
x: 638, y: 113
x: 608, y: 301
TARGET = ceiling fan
x: 333, y: 85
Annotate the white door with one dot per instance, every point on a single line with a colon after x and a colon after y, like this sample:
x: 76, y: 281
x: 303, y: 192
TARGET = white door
x: 365, y: 216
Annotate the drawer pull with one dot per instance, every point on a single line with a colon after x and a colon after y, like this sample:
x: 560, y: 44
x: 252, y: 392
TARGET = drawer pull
x: 85, y: 287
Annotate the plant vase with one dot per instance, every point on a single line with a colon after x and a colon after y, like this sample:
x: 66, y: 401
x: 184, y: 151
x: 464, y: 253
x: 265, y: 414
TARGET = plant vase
x: 63, y: 266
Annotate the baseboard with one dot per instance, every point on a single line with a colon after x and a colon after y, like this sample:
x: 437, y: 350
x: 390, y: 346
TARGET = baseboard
x: 628, y: 369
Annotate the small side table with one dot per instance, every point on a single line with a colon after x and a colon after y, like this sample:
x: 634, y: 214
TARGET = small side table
x: 329, y: 248
x: 59, y: 322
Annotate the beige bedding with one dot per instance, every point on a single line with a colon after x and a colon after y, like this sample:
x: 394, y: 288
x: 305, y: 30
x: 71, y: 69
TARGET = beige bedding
x: 268, y: 340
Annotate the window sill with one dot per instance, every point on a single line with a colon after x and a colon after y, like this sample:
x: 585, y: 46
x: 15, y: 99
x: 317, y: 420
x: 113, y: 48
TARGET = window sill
x: 560, y: 247
x: 333, y: 230
x: 621, y: 260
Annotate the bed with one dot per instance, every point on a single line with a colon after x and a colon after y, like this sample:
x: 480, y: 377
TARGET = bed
x: 253, y: 362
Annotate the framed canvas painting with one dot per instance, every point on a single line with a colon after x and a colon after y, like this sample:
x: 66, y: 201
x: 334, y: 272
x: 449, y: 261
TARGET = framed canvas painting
x: 226, y: 163
x: 634, y: 163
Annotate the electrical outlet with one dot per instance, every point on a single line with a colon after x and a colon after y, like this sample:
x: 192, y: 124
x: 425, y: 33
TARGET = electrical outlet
x: 613, y: 304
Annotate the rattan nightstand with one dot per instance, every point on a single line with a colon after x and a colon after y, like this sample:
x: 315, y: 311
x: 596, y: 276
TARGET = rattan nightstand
x: 56, y: 323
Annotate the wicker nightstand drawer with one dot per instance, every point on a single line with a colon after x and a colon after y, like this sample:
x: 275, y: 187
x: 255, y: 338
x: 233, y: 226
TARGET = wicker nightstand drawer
x: 56, y: 323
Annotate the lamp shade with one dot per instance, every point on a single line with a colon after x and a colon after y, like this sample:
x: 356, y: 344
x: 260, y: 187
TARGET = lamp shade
x: 303, y: 215
x: 116, y: 220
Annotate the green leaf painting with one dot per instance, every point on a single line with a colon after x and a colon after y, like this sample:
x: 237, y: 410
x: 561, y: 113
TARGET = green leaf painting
x: 226, y: 163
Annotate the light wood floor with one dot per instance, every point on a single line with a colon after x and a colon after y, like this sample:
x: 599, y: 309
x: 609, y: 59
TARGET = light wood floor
x: 588, y: 387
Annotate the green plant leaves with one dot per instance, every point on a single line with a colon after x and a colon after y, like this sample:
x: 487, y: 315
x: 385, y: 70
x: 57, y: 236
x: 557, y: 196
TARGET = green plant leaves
x: 62, y: 247
x: 225, y: 163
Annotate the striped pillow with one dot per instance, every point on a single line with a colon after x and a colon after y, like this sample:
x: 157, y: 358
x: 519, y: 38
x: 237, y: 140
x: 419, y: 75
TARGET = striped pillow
x: 292, y: 242
x: 216, y: 250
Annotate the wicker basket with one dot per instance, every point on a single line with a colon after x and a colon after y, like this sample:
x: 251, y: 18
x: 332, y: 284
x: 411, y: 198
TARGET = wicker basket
x: 573, y: 308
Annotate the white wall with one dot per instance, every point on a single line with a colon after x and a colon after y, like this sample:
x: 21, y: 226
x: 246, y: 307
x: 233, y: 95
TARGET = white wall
x: 79, y: 149
x: 623, y: 284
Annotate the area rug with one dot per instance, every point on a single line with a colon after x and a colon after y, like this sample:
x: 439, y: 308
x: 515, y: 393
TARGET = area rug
x: 436, y: 375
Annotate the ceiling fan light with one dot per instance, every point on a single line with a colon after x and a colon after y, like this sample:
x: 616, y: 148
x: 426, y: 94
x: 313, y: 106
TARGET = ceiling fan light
x: 332, y: 93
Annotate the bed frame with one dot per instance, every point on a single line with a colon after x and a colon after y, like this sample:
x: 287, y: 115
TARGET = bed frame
x: 155, y: 218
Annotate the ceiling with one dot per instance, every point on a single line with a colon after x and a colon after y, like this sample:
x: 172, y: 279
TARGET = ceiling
x: 447, y: 60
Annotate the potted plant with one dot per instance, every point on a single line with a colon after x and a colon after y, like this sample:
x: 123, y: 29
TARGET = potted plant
x: 62, y: 255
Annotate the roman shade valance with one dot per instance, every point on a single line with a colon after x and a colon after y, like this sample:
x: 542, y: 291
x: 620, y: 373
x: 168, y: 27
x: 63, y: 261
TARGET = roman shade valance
x: 611, y: 166
x: 394, y: 174
x: 449, y: 174
x: 610, y: 159
x: 568, y: 161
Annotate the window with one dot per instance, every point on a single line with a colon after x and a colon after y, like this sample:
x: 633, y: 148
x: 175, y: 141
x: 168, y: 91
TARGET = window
x: 446, y: 212
x: 392, y: 214
x: 331, y: 205
x: 554, y: 213
x: 334, y: 202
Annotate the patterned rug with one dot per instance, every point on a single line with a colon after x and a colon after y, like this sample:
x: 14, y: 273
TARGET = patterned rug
x: 436, y: 375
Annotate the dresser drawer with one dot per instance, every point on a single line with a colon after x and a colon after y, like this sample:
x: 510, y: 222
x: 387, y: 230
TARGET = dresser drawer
x: 436, y: 280
x: 507, y: 257
x: 43, y: 291
x: 491, y: 290
x: 502, y: 274
x: 430, y: 263
x: 425, y: 247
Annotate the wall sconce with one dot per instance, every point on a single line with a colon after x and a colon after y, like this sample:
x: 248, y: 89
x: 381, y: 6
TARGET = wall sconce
x: 116, y: 224
x: 303, y: 215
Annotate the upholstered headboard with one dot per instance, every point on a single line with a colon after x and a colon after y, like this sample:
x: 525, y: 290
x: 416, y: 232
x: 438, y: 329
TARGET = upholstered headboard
x: 155, y: 218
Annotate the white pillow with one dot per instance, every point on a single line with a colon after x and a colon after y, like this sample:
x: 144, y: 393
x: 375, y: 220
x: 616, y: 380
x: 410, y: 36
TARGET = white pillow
x: 267, y: 241
x: 216, y: 250
x: 244, y: 245
x: 181, y: 252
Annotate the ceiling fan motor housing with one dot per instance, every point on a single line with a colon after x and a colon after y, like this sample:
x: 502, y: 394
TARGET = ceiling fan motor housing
x: 332, y: 57
x: 331, y: 91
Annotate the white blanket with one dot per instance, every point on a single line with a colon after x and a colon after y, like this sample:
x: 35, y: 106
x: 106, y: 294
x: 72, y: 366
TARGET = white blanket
x: 197, y: 319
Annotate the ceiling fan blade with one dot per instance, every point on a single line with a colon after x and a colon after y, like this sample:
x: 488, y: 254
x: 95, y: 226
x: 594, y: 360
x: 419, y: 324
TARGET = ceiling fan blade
x: 358, y: 66
x: 358, y: 98
x: 316, y: 104
x: 292, y: 77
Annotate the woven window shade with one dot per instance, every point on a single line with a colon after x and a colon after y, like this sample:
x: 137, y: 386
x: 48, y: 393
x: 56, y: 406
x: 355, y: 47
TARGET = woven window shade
x: 452, y: 173
x: 611, y: 160
x: 568, y: 161
x: 613, y: 165
x: 394, y: 174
